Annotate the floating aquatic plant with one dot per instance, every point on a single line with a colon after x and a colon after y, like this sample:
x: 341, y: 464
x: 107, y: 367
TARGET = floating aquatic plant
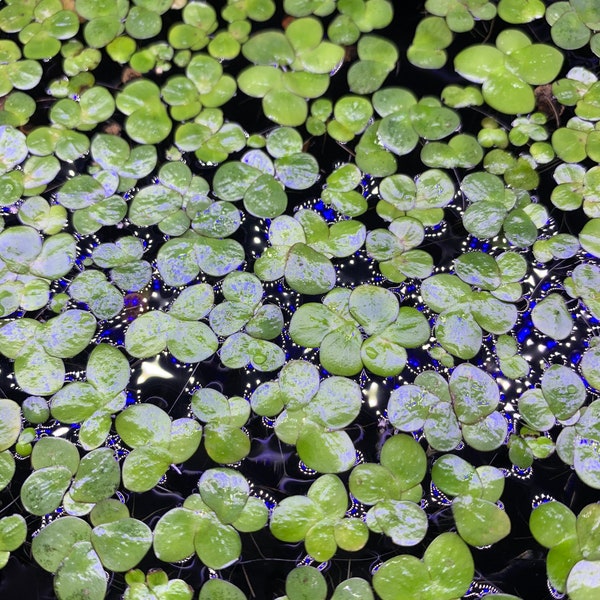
x: 338, y: 321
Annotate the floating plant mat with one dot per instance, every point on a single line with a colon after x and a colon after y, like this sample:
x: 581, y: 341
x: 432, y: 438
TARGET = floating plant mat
x: 299, y: 299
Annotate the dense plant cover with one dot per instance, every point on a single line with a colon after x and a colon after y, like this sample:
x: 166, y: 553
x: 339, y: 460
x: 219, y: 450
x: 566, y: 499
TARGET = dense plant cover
x: 300, y: 299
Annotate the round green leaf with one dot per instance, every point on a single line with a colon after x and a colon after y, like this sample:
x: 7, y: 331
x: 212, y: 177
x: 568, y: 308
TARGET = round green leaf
x: 220, y: 589
x: 293, y: 517
x: 7, y: 468
x: 143, y: 424
x: 402, y: 576
x: 217, y: 545
x: 97, y: 478
x: 563, y: 391
x: 487, y: 434
x: 405, y: 522
x: 336, y: 404
x: 174, y: 535
x: 80, y: 573
x: 13, y: 531
x: 308, y: 271
x: 479, y: 522
x: 225, y: 491
x: 121, y: 544
x: 582, y: 582
x: 305, y: 583
x: 10, y: 423
x: 586, y: 461
x: 52, y: 451
x: 55, y: 541
x: 340, y: 351
x: 474, y: 393
x: 325, y: 451
x: 408, y: 407
x: 143, y: 467
x: 450, y: 565
x: 43, y: 490
x: 587, y: 531
x: 353, y: 588
x: 458, y: 333
x: 265, y: 197
x: 406, y: 459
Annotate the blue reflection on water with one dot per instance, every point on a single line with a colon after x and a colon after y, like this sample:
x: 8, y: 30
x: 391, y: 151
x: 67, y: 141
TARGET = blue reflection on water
x: 326, y: 212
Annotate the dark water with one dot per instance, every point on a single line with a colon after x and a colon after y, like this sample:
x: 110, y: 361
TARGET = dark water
x: 515, y: 565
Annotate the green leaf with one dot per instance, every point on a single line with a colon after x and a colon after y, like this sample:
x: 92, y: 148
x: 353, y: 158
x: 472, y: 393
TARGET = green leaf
x: 443, y: 291
x: 107, y: 370
x: 487, y: 434
x: 107, y: 511
x: 75, y: 402
x: 51, y: 451
x: 329, y: 493
x: 479, y: 522
x: 405, y: 522
x: 267, y: 48
x: 55, y: 541
x: 534, y: 409
x: 508, y: 94
x: 340, y: 351
x: 80, y: 573
x: 265, y: 198
x: 450, y: 565
x: 351, y: 534
x: 397, y: 134
x: 402, y: 576
x: 586, y: 455
x: 293, y: 517
x: 587, y: 531
x: 563, y: 391
x: 143, y: 424
x: 370, y: 483
x: 474, y: 393
x: 373, y: 307
x: 325, y: 451
x: 225, y: 491
x: 442, y: 427
x: 336, y: 404
x: 144, y: 467
x: 408, y: 407
x: 69, y: 333
x: 10, y: 423
x: 458, y: 333
x: 13, y: 531
x: 220, y: 589
x: 217, y: 545
x: 406, y: 459
x: 186, y: 434
x: 43, y: 490
x: 455, y: 476
x: 552, y: 317
x: 7, y: 468
x: 305, y: 583
x: 478, y: 269
x: 352, y: 588
x: 536, y: 64
x: 174, y: 535
x: 97, y: 478
x: 285, y: 108
x: 308, y: 271
x: 582, y: 582
x: 121, y: 544
x: 253, y: 517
